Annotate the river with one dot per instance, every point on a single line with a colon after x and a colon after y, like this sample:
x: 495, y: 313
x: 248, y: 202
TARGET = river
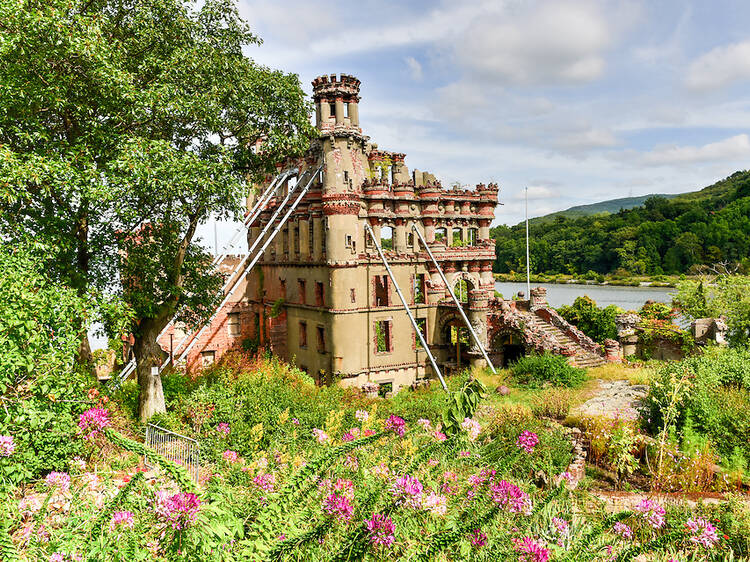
x: 627, y: 298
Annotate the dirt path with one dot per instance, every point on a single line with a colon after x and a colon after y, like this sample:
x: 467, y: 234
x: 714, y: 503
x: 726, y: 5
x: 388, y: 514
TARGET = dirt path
x: 614, y: 399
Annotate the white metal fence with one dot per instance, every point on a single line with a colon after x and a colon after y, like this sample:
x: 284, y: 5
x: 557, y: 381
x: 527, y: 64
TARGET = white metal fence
x: 175, y: 447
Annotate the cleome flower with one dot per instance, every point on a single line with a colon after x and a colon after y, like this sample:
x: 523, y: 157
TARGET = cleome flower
x: 527, y: 441
x: 121, y: 519
x: 179, y: 511
x: 321, y: 436
x: 92, y: 422
x: 471, y: 427
x: 265, y: 481
x: 510, y: 497
x: 623, y: 530
x: 231, y: 457
x: 381, y: 530
x: 652, y: 512
x: 362, y: 415
x: 7, y: 445
x: 395, y: 424
x: 531, y: 550
x: 703, y: 533
x: 59, y: 480
x: 435, y: 504
x: 407, y: 491
x: 338, y: 506
x: 478, y: 538
x: 223, y: 429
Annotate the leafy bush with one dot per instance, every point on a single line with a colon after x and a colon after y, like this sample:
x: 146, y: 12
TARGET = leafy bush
x: 597, y: 323
x: 537, y: 371
x: 42, y: 395
x: 714, y: 402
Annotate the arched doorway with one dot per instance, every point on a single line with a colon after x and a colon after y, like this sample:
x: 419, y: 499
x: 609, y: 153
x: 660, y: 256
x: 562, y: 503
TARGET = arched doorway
x: 508, y: 345
x: 456, y: 341
x: 462, y: 287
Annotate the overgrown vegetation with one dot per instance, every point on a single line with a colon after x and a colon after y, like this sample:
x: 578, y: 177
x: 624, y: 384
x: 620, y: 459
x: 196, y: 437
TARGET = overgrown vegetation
x: 597, y: 323
x: 536, y: 371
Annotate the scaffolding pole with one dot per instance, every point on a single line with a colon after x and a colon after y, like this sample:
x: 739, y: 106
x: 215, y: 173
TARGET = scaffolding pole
x: 254, y: 260
x: 406, y: 307
x: 234, y: 279
x: 453, y: 296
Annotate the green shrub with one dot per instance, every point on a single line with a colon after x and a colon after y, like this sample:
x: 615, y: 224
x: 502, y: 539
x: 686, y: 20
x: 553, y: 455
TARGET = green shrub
x: 537, y: 371
x: 716, y: 402
x: 597, y: 323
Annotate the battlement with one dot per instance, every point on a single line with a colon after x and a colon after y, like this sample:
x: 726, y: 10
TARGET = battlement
x: 330, y: 87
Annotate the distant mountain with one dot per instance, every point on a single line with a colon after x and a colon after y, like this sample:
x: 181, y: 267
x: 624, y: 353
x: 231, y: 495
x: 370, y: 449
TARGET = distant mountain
x: 602, y: 208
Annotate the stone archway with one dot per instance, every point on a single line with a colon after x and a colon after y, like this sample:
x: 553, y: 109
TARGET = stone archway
x: 508, y: 345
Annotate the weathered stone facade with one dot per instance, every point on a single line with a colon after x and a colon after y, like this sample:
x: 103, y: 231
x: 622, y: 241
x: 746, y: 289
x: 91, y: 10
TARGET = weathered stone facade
x: 342, y: 318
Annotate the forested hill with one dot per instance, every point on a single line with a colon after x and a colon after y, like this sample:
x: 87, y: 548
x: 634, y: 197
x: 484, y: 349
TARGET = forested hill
x: 661, y: 236
x: 604, y: 207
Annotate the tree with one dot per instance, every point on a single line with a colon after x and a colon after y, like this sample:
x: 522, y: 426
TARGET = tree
x: 716, y: 296
x: 597, y: 323
x: 124, y: 124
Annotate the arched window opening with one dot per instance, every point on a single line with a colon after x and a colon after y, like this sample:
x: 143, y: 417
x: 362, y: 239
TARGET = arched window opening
x: 386, y: 237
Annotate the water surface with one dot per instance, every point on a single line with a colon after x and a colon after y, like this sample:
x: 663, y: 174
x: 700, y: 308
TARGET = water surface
x: 627, y: 298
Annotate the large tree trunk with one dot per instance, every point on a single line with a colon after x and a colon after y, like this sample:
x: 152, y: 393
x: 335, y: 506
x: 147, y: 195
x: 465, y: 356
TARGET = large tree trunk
x: 149, y: 355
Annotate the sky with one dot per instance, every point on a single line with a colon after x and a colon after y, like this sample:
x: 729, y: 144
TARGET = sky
x: 579, y: 101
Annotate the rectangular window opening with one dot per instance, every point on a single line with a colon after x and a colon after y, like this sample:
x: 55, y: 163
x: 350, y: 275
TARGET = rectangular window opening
x: 303, y: 334
x: 233, y: 323
x: 383, y: 336
x: 319, y: 294
x: 381, y: 290
x: 422, y: 325
x: 419, y: 288
x: 321, y: 339
x: 208, y: 358
x: 302, y: 291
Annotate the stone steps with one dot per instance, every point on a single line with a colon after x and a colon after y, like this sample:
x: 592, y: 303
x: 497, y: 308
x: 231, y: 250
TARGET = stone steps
x: 582, y: 358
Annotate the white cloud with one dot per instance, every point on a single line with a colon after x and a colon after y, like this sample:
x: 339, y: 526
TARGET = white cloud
x: 549, y: 42
x: 719, y: 67
x: 732, y: 148
x: 583, y: 140
x: 415, y: 68
x: 536, y: 193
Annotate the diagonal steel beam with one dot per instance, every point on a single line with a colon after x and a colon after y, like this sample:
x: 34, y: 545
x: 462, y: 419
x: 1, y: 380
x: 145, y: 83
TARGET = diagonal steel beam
x: 406, y: 307
x: 453, y: 296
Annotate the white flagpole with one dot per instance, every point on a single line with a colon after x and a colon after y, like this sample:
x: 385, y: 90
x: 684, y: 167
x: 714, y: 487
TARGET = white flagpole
x: 528, y: 270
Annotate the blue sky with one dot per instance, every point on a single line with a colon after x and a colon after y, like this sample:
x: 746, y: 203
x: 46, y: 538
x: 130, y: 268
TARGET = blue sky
x: 580, y: 101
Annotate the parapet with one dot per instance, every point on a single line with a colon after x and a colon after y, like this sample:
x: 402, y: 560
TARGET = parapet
x: 328, y: 88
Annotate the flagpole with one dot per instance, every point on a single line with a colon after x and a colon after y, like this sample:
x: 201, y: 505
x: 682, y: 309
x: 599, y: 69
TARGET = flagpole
x: 528, y: 270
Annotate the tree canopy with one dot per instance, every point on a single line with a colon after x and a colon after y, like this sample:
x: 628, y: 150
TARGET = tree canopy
x: 125, y: 124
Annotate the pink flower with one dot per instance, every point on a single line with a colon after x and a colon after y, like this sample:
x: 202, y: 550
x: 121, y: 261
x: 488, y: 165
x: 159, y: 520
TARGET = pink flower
x: 439, y: 435
x: 471, y: 427
x: 362, y: 415
x: 396, y: 424
x: 92, y: 422
x: 56, y: 557
x: 58, y: 479
x: 426, y: 425
x: 231, y: 457
x: 478, y: 538
x: 179, y: 511
x: 464, y: 454
x: 223, y: 428
x: 652, y: 512
x: 560, y: 526
x: 352, y: 463
x: 527, y: 441
x: 295, y: 421
x: 381, y: 530
x: 530, y: 550
x: 265, y: 481
x: 381, y: 470
x: 408, y: 491
x: 703, y: 532
x: 321, y: 436
x: 7, y: 446
x: 121, y: 519
x: 623, y: 530
x: 510, y: 497
x: 368, y: 432
x: 338, y: 506
x: 435, y: 504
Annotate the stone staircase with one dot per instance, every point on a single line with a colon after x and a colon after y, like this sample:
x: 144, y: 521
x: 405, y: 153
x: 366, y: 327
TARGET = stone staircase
x: 583, y: 358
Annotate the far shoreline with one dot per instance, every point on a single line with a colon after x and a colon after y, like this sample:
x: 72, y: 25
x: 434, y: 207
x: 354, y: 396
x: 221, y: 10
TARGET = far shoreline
x: 661, y: 281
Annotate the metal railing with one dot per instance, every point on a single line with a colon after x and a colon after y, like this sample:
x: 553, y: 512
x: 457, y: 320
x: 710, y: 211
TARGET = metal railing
x: 175, y: 447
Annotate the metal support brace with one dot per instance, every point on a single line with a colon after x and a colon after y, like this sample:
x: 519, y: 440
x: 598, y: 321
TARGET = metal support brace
x: 254, y: 260
x: 453, y: 296
x: 253, y: 215
x: 406, y: 307
x: 233, y: 280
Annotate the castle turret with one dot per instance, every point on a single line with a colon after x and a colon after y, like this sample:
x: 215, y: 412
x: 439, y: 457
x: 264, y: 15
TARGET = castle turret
x: 336, y: 101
